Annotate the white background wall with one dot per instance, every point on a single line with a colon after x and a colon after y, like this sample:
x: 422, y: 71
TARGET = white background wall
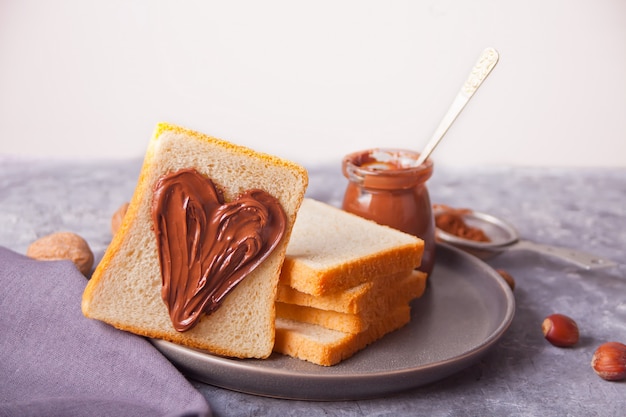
x: 313, y: 80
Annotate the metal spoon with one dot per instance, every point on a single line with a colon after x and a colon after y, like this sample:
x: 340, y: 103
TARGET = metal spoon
x: 504, y: 237
x: 488, y: 59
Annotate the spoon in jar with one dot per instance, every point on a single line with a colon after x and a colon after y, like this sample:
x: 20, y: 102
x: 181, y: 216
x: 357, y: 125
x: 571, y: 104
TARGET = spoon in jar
x: 487, y: 61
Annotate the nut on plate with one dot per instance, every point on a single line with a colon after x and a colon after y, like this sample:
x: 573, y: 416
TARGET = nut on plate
x: 63, y: 246
x: 507, y: 277
x: 609, y: 361
x: 560, y: 330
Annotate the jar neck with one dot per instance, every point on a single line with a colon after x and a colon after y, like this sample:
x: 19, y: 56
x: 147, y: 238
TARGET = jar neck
x: 386, y: 169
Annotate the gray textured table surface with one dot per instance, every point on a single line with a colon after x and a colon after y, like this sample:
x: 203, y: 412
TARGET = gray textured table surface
x: 522, y: 375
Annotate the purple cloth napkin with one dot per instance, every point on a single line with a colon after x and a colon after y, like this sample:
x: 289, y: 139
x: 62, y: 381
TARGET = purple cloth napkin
x: 56, y: 362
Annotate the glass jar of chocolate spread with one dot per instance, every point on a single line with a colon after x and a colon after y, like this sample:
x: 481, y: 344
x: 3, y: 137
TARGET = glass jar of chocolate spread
x: 386, y: 187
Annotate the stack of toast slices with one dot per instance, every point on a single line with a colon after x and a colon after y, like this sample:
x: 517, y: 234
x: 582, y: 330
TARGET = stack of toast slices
x: 345, y: 283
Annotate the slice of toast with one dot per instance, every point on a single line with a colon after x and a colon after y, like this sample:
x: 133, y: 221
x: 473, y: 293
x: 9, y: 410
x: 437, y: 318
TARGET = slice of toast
x: 328, y: 347
x: 127, y: 288
x: 332, y: 250
x: 383, y: 300
x: 361, y: 297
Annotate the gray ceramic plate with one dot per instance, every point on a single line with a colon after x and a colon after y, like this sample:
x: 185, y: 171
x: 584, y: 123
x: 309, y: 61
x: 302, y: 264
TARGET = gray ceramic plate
x: 467, y: 307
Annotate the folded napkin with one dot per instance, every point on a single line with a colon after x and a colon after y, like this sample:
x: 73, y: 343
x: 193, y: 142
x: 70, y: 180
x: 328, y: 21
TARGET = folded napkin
x: 56, y: 362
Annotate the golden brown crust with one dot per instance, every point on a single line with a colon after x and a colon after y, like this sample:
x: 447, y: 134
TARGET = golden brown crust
x: 299, y: 275
x: 383, y: 299
x: 113, y: 248
x: 349, y: 301
x: 357, y: 299
x: 296, y: 343
x: 271, y: 159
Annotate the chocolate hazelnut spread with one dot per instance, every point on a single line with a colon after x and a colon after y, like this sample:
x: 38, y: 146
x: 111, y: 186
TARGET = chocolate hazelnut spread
x: 452, y: 221
x: 385, y: 187
x: 206, y: 247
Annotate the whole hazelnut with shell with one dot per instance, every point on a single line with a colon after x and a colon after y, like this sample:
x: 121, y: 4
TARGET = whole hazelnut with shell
x: 609, y: 361
x: 118, y: 217
x: 63, y: 246
x: 560, y: 330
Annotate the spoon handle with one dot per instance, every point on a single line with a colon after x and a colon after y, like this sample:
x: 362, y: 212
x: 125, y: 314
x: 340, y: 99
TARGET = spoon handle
x: 487, y: 60
x: 582, y: 259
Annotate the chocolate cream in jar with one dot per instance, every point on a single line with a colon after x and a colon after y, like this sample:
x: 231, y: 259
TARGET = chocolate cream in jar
x: 386, y: 187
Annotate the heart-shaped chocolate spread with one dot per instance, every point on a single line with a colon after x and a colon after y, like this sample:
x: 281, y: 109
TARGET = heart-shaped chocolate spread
x: 206, y: 247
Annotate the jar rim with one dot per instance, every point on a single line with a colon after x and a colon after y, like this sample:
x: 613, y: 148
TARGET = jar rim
x: 392, y: 172
x: 379, y: 160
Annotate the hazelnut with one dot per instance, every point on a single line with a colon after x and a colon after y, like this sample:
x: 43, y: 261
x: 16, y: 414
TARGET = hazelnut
x: 609, y: 361
x: 507, y: 277
x: 560, y: 330
x: 118, y: 216
x: 63, y: 245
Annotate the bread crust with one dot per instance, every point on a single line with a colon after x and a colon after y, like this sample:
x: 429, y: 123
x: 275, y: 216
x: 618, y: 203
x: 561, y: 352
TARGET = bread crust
x: 327, y: 347
x: 359, y: 298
